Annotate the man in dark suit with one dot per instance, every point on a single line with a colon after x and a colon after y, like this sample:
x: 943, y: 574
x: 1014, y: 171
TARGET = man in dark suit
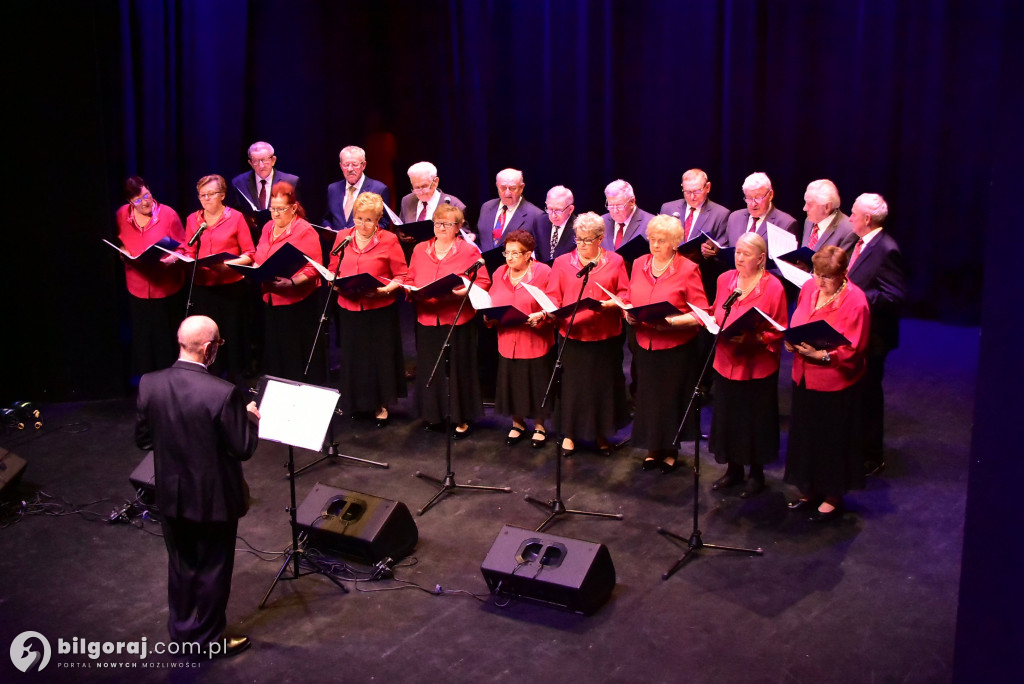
x: 553, y: 229
x: 700, y: 215
x: 341, y: 195
x: 199, y: 429
x: 253, y: 187
x: 499, y: 217
x: 826, y: 224
x: 760, y: 211
x: 419, y: 205
x: 876, y: 266
x: 624, y: 220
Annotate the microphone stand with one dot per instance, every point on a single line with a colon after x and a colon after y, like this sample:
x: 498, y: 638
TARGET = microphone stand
x: 323, y: 330
x: 448, y: 482
x: 195, y: 265
x: 694, y: 543
x: 556, y: 505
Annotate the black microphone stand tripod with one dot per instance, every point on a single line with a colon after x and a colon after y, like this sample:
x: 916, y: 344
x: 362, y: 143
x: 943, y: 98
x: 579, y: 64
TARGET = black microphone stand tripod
x: 448, y: 482
x: 195, y: 265
x: 556, y: 506
x: 323, y: 330
x: 694, y: 542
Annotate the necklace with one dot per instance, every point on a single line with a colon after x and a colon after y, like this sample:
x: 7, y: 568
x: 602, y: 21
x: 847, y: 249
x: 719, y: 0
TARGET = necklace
x: 832, y: 298
x: 439, y: 254
x: 660, y: 271
x: 365, y: 239
x: 514, y: 279
x: 753, y: 284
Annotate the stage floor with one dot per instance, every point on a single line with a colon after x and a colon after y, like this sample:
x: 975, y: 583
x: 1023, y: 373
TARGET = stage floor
x: 871, y: 598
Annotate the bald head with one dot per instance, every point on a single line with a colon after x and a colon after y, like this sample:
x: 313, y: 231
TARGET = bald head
x: 194, y: 337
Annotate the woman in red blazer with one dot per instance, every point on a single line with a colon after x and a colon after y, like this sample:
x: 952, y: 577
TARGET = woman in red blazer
x: 825, y: 458
x: 745, y: 424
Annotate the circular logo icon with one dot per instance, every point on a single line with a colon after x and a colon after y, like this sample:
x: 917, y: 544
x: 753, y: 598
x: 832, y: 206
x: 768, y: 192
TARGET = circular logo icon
x: 30, y: 651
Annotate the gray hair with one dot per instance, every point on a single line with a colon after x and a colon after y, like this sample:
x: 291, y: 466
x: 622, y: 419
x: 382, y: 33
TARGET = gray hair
x: 590, y: 224
x: 561, y: 191
x: 260, y: 144
x: 617, y: 187
x: 758, y: 179
x: 874, y: 205
x: 823, y: 191
x: 696, y: 174
x: 423, y: 169
x: 352, y: 149
x: 514, y: 174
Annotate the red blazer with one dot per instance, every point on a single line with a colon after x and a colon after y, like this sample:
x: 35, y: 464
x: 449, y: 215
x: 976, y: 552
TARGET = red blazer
x: 850, y: 315
x: 229, y: 234
x: 679, y: 284
x: 522, y: 341
x: 150, y: 281
x: 750, y: 359
x: 382, y: 258
x: 304, y: 237
x: 425, y: 268
x: 563, y: 288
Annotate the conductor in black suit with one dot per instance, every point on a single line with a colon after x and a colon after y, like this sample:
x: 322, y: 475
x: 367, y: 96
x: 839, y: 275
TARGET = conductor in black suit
x: 553, y: 229
x: 876, y: 267
x: 199, y: 429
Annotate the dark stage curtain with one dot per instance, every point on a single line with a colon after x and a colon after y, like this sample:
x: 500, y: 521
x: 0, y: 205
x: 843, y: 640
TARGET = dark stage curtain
x: 879, y: 96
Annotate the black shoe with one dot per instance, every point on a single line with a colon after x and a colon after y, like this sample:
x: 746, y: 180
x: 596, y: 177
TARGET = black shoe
x: 819, y: 516
x: 231, y: 646
x: 519, y: 436
x: 539, y: 443
x: 753, y: 488
x: 461, y: 435
x: 566, y: 453
x: 667, y: 467
x: 650, y: 463
x: 725, y: 481
x: 800, y: 504
x: 433, y: 427
x: 383, y: 422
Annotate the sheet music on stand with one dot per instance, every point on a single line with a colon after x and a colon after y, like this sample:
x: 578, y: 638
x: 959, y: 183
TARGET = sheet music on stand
x: 296, y: 413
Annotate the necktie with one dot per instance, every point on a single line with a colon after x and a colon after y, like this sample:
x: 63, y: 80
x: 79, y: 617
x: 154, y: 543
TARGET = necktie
x: 499, y: 225
x: 349, y: 196
x: 619, y: 231
x: 856, y: 253
x: 554, y: 241
x: 688, y: 224
x: 423, y: 213
x: 814, y: 236
x: 262, y: 199
x: 753, y: 225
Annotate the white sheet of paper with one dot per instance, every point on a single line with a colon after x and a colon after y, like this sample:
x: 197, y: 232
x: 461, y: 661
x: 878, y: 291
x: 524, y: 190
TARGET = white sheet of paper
x: 394, y: 217
x: 177, y: 255
x: 118, y: 249
x: 478, y: 296
x: 704, y: 318
x: 791, y: 273
x: 542, y: 299
x: 324, y: 273
x: 779, y: 241
x: 618, y: 302
x: 771, y: 320
x: 296, y: 414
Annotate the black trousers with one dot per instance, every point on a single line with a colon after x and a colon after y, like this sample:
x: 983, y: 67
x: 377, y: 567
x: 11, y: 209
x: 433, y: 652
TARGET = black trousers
x: 200, y: 559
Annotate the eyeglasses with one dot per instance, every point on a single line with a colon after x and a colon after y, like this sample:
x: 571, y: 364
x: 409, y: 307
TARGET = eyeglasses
x: 364, y: 222
x: 139, y: 200
x: 818, y: 276
x: 514, y: 254
x: 352, y: 165
x: 756, y: 200
x: 445, y: 224
x: 263, y: 161
x: 209, y: 195
x: 219, y: 341
x: 556, y: 210
x: 423, y: 188
x: 280, y: 210
x: 694, y: 193
x: 508, y: 188
x: 620, y: 206
x: 587, y: 241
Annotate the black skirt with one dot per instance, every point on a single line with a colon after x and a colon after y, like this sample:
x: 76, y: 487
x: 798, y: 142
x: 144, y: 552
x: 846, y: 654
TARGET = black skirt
x: 288, y: 333
x: 431, y: 402
x: 155, y: 331
x: 665, y: 380
x: 521, y: 385
x: 825, y: 454
x: 228, y: 306
x: 592, y: 402
x: 372, y: 368
x: 745, y: 423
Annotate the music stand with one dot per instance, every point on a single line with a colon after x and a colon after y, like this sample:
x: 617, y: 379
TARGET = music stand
x: 556, y: 505
x: 323, y: 330
x: 448, y: 483
x: 694, y: 543
x: 296, y: 414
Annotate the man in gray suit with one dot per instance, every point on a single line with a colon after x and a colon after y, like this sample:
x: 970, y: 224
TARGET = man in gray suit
x: 499, y: 217
x: 419, y: 205
x: 253, y: 187
x: 624, y: 220
x: 826, y: 224
x: 696, y: 211
x: 199, y: 429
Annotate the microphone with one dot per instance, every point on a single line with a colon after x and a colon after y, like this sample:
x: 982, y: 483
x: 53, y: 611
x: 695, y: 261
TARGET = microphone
x: 474, y: 268
x: 341, y: 246
x: 195, y: 238
x: 587, y: 269
x: 447, y: 200
x: 732, y: 298
x: 676, y: 214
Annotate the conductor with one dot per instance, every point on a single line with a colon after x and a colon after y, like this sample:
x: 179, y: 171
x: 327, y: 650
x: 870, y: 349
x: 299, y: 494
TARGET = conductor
x: 200, y: 429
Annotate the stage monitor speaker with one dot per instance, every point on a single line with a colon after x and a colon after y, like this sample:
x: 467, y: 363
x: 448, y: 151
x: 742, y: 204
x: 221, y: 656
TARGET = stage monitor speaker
x: 143, y: 478
x: 12, y: 467
x: 361, y: 526
x: 568, y: 573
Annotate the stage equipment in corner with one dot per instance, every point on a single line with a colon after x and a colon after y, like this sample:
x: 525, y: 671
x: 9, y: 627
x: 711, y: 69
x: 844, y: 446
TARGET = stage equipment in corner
x: 143, y: 478
x: 12, y: 467
x: 362, y: 526
x: 567, y: 573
